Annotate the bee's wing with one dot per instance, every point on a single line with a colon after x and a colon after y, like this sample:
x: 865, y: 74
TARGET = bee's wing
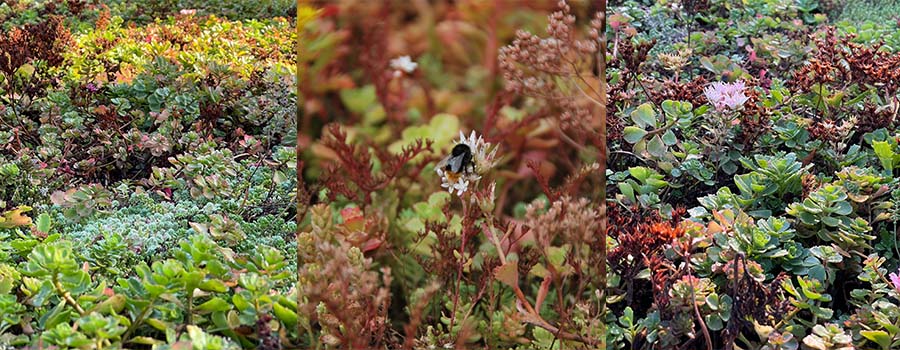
x: 443, y: 163
x: 456, y: 163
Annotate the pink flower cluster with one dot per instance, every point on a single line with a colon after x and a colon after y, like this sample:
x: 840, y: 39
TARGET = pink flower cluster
x: 726, y: 95
x: 895, y: 279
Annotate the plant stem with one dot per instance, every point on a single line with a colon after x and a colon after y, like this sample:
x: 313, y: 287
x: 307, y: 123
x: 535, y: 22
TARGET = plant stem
x: 67, y: 296
x: 696, y: 308
x: 189, y: 318
x: 137, y: 321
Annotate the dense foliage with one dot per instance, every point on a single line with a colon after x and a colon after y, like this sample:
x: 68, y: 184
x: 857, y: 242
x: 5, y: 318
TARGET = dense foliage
x: 151, y: 194
x: 147, y: 174
x: 752, y: 177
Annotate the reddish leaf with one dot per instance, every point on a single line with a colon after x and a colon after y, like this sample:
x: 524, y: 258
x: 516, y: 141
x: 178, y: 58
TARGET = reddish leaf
x: 542, y: 293
x: 508, y: 273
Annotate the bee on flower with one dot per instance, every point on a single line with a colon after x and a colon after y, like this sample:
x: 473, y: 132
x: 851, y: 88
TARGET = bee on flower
x: 469, y: 159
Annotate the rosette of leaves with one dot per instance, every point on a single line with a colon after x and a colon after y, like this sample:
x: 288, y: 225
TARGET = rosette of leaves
x: 876, y: 314
x: 221, y: 228
x: 865, y: 188
x: 57, y: 286
x: 825, y: 269
x: 722, y: 66
x: 766, y: 242
x: 722, y: 200
x: 811, y: 297
x: 792, y: 135
x: 196, y: 339
x: 645, y: 191
x: 654, y: 137
x: 691, y: 291
x: 761, y: 191
x: 828, y: 337
x: 83, y: 201
x: 95, y: 330
x: 22, y: 180
x: 825, y: 213
x: 779, y: 174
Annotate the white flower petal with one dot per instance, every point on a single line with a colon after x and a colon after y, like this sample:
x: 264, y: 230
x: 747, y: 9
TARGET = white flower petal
x: 404, y: 63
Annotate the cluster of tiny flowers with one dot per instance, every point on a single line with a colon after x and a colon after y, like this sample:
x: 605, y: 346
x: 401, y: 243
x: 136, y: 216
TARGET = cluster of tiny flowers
x: 529, y: 53
x: 532, y: 66
x: 726, y: 95
x: 483, y: 157
x: 895, y: 279
x: 403, y: 64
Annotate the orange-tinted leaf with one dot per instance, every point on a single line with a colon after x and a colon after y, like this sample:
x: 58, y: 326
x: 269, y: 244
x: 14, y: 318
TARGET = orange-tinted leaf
x: 14, y: 218
x: 508, y: 273
x: 542, y: 293
x: 353, y: 219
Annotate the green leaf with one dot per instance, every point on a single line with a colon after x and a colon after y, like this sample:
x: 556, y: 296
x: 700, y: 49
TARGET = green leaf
x: 633, y: 134
x: 145, y: 341
x: 116, y: 304
x: 669, y: 138
x: 43, y: 223
x: 76, y: 282
x: 821, y: 312
x: 278, y: 177
x: 644, y: 116
x: 641, y: 173
x: 714, y: 322
x: 744, y: 183
x: 192, y: 280
x: 670, y: 107
x: 777, y: 95
x: 843, y: 208
x: 215, y: 304
x: 240, y: 302
x: 627, y: 191
x: 656, y: 147
x: 439, y: 199
x: 25, y: 71
x: 155, y: 323
x: 807, y: 288
x: 830, y: 221
x: 712, y: 301
x: 885, y: 153
x: 808, y: 218
x: 557, y: 256
x: 879, y: 337
x: 213, y: 286
x: 442, y: 129
x: 60, y: 314
x: 358, y: 100
x: 545, y: 339
x: 285, y: 315
x: 627, y: 319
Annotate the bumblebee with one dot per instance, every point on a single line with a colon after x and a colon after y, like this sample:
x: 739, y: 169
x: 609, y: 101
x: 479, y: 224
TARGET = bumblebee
x: 459, y: 162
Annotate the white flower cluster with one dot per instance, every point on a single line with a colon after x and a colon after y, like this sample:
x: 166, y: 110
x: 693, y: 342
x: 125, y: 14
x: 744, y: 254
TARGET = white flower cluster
x: 403, y: 64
